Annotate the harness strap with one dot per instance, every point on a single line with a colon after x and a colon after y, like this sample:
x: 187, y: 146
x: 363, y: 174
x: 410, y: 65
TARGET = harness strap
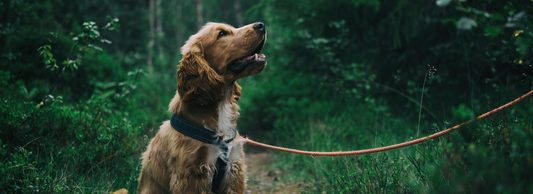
x: 202, y: 134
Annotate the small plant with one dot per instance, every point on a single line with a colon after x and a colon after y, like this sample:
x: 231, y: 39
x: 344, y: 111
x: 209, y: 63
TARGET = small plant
x: 84, y: 40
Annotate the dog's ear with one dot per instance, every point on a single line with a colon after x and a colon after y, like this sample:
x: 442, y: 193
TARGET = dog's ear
x: 198, y: 83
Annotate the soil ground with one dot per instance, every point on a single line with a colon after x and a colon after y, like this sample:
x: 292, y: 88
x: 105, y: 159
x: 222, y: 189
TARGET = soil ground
x: 262, y: 180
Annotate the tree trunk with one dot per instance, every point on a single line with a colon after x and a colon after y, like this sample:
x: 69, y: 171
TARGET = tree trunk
x: 199, y: 14
x: 152, y: 34
x: 180, y: 24
x: 159, y: 30
x: 238, y: 13
x: 226, y: 11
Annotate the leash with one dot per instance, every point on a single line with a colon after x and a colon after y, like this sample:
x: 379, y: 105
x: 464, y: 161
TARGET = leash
x: 395, y: 146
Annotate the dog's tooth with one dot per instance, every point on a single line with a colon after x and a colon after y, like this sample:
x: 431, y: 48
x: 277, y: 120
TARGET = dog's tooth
x: 255, y: 56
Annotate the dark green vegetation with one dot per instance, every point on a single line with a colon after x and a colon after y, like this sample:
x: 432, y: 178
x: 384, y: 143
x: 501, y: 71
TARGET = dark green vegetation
x: 77, y: 112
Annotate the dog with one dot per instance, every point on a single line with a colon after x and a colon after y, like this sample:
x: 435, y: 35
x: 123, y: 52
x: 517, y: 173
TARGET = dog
x: 178, y: 160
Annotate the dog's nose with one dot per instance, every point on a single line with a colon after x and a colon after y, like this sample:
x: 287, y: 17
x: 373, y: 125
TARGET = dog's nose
x: 259, y: 26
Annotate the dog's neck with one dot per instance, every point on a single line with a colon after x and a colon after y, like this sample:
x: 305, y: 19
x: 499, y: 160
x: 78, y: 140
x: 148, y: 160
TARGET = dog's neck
x: 219, y: 116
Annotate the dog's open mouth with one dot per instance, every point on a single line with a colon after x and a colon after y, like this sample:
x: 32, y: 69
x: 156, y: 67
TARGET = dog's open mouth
x: 240, y: 64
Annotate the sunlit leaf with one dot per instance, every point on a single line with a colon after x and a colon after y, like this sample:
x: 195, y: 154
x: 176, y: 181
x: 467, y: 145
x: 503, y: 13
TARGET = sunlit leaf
x: 105, y: 41
x: 442, y: 3
x: 517, y: 32
x: 466, y: 23
x: 519, y: 15
x: 98, y: 48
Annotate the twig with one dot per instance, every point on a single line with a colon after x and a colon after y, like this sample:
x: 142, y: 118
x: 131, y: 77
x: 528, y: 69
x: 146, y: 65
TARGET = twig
x: 406, y: 96
x: 59, y: 75
x: 421, y: 102
x: 43, y: 103
x: 32, y: 141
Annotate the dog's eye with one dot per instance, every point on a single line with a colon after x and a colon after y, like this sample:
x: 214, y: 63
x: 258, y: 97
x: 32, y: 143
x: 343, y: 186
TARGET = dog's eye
x: 222, y: 33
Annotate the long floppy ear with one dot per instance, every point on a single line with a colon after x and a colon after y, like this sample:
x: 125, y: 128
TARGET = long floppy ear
x: 197, y: 82
x: 236, y: 92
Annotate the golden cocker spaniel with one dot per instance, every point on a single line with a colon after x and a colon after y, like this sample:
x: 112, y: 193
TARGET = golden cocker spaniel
x: 178, y: 160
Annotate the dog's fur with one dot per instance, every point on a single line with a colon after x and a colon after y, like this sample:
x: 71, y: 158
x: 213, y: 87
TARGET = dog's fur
x: 207, y: 95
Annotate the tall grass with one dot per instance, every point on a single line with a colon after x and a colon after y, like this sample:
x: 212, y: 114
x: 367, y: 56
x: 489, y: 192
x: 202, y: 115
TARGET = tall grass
x: 492, y: 156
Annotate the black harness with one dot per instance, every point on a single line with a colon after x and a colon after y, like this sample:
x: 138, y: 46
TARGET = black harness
x: 207, y: 136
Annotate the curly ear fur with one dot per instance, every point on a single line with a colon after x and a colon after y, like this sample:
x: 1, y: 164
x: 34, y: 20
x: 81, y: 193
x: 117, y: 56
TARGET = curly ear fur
x: 198, y: 83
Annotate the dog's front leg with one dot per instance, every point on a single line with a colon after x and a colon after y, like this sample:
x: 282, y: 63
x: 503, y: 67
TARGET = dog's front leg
x: 190, y: 184
x: 192, y: 173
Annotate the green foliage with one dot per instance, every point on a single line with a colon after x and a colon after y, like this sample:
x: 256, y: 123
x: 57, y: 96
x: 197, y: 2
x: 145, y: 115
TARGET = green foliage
x: 494, y: 158
x: 48, y: 57
x: 341, y: 75
x: 348, y: 76
x: 84, y: 141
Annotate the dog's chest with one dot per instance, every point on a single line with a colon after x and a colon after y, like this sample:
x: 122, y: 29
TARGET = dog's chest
x: 232, y: 155
x: 227, y: 115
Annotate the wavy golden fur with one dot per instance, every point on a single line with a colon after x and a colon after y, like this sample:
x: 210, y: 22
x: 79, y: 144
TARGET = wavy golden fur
x: 207, y: 95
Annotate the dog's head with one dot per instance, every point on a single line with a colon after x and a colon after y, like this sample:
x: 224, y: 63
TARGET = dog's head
x: 218, y: 55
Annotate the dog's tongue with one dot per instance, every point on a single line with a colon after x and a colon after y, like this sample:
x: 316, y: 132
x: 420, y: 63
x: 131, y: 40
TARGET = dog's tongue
x: 250, y: 57
x: 239, y: 65
x: 255, y: 56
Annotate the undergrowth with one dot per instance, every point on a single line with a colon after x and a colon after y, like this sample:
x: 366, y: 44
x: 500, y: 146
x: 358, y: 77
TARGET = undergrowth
x: 75, y: 113
x: 85, y: 147
x: 490, y: 156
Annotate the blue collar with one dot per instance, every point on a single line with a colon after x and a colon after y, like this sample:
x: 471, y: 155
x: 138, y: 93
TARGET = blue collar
x: 207, y: 136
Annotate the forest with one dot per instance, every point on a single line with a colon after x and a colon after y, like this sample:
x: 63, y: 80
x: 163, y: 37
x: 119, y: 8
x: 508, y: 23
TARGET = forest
x: 87, y: 83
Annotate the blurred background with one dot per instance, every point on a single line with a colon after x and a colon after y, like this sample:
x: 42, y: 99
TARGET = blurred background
x: 86, y: 84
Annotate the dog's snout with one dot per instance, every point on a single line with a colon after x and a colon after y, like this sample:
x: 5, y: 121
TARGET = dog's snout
x: 259, y: 26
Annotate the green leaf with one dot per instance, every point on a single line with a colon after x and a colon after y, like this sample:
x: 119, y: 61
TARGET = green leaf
x: 493, y: 31
x: 106, y: 94
x: 449, y: 20
x: 497, y: 17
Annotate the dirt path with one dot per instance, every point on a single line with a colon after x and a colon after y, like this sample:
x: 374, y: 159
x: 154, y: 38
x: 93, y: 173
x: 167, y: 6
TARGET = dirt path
x: 262, y: 180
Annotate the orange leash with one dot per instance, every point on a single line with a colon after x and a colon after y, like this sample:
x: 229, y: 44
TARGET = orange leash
x: 391, y: 147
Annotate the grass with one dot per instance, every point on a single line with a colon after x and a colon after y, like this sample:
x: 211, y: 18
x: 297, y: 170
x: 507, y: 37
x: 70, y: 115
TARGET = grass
x: 491, y: 156
x: 89, y: 147
x: 86, y: 147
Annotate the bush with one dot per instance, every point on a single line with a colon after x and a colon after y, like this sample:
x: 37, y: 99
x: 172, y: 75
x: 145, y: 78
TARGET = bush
x: 72, y: 147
